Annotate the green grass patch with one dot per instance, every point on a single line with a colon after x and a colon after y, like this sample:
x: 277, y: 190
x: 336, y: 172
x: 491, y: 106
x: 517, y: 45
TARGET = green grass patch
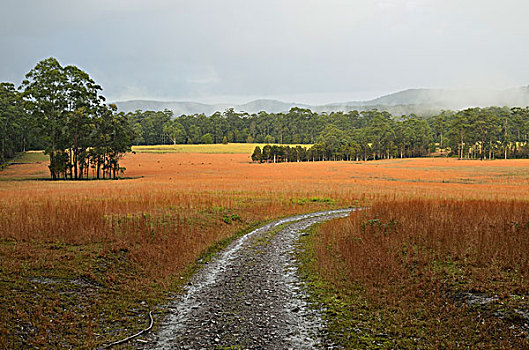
x: 30, y: 157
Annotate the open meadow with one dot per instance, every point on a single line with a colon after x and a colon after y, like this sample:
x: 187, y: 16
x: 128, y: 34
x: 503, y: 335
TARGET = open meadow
x: 82, y: 262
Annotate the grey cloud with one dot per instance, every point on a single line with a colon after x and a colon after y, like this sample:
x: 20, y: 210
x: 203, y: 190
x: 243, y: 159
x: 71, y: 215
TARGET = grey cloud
x: 206, y: 48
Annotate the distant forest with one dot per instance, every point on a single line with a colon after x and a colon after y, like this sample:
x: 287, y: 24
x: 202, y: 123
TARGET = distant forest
x: 478, y: 133
x: 60, y: 109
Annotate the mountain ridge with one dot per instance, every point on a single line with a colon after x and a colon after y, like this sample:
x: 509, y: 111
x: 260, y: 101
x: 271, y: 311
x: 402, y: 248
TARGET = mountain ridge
x: 418, y: 101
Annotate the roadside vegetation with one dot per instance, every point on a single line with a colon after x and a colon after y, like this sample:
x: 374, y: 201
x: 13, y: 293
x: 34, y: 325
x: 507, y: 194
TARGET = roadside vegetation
x: 425, y: 273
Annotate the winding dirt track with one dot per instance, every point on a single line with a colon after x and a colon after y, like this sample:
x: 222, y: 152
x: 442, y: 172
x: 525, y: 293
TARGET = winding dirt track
x: 249, y: 296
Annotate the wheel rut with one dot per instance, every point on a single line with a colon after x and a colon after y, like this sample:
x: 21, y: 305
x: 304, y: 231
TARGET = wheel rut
x: 249, y: 296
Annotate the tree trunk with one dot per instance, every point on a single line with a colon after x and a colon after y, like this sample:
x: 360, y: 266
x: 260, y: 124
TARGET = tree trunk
x: 74, y: 161
x: 52, y: 166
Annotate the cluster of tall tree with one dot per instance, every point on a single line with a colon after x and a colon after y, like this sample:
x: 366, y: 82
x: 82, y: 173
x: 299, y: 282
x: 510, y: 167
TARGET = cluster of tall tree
x: 60, y: 109
x: 382, y: 137
x: 485, y: 133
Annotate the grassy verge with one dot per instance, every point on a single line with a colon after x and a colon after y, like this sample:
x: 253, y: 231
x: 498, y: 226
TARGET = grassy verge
x: 387, y: 281
x: 351, y: 322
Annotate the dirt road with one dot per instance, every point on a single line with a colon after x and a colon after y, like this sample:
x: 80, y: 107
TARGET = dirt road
x: 249, y: 296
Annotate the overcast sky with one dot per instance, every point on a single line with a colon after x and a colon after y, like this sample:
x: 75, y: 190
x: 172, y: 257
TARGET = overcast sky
x: 300, y: 50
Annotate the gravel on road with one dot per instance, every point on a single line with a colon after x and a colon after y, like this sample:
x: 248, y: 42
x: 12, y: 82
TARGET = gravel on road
x: 249, y: 296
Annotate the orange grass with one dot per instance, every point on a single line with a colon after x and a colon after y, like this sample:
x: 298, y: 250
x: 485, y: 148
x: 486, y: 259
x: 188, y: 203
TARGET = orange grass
x: 133, y: 238
x: 415, y: 260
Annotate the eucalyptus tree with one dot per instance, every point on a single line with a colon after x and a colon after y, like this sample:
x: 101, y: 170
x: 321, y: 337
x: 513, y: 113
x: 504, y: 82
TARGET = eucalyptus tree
x: 333, y: 138
x: 381, y: 133
x: 218, y: 127
x: 266, y: 153
x: 257, y: 155
x: 111, y: 139
x: 362, y: 138
x: 520, y: 121
x: 439, y: 127
x: 175, y: 131
x: 459, y: 129
x: 485, y: 128
x: 46, y: 93
x: 507, y: 136
x: 118, y: 141
x: 13, y: 134
x: 415, y: 136
x: 354, y: 151
x: 301, y: 153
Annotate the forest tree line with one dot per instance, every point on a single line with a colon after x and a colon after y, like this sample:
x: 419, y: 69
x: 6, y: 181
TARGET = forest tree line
x: 59, y: 109
x: 484, y: 133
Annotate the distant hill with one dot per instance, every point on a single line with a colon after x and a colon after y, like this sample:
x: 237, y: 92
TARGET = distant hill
x: 179, y: 108
x: 418, y: 101
x: 270, y: 106
x: 457, y: 99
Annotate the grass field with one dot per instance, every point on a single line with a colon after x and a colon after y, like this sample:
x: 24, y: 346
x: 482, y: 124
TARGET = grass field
x: 82, y: 262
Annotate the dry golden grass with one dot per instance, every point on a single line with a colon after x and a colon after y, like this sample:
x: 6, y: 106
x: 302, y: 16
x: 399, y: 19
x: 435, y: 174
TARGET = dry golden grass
x: 132, y: 239
x: 395, y: 239
x: 421, y: 262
